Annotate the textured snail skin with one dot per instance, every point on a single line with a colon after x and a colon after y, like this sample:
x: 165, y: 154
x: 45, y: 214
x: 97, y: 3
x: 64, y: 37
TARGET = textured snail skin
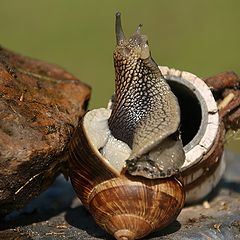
x: 145, y: 112
x: 127, y: 207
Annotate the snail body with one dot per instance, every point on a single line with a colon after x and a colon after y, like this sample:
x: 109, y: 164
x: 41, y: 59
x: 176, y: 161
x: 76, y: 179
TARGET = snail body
x: 145, y: 112
x: 129, y: 164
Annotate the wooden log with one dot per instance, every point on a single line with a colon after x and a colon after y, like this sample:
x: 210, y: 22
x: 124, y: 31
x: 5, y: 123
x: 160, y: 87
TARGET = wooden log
x: 226, y: 90
x: 40, y: 105
x: 223, y: 81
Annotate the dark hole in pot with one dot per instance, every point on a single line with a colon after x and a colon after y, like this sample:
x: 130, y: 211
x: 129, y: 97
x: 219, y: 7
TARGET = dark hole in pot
x: 190, y: 111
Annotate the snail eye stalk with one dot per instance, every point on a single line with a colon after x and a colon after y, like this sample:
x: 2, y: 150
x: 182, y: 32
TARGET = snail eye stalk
x: 118, y: 29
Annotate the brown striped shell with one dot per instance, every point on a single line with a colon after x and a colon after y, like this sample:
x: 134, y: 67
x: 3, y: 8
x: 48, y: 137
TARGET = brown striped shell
x: 125, y: 206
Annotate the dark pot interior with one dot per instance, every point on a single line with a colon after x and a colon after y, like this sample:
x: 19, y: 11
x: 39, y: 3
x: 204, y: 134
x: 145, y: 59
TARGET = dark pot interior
x: 191, y: 110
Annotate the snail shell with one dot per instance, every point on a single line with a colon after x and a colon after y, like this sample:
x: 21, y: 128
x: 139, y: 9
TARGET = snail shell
x: 130, y: 187
x: 127, y: 207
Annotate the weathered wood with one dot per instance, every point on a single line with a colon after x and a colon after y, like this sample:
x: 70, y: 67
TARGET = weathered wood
x: 40, y: 105
x: 223, y: 80
x: 226, y: 90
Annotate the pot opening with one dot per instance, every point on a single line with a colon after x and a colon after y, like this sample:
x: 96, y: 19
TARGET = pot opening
x: 191, y: 112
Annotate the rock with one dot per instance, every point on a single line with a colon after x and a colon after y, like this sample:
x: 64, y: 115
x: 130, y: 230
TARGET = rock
x: 40, y: 105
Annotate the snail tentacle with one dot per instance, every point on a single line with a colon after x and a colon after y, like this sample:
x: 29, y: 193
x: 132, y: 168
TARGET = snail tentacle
x: 118, y: 29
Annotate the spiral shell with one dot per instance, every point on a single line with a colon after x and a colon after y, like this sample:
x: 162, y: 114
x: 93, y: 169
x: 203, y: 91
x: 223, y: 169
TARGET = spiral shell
x: 125, y: 206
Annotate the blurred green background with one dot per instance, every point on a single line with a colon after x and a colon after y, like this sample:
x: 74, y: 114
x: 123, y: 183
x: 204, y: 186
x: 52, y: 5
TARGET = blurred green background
x: 202, y: 37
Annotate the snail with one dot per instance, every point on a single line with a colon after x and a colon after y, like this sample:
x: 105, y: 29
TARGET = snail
x: 136, y: 163
x: 145, y: 112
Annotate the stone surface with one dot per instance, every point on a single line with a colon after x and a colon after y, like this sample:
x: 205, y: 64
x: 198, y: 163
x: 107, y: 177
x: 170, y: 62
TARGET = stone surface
x: 58, y: 214
x: 40, y: 105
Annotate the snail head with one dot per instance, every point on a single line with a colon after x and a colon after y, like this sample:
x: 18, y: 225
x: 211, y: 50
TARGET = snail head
x: 136, y: 45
